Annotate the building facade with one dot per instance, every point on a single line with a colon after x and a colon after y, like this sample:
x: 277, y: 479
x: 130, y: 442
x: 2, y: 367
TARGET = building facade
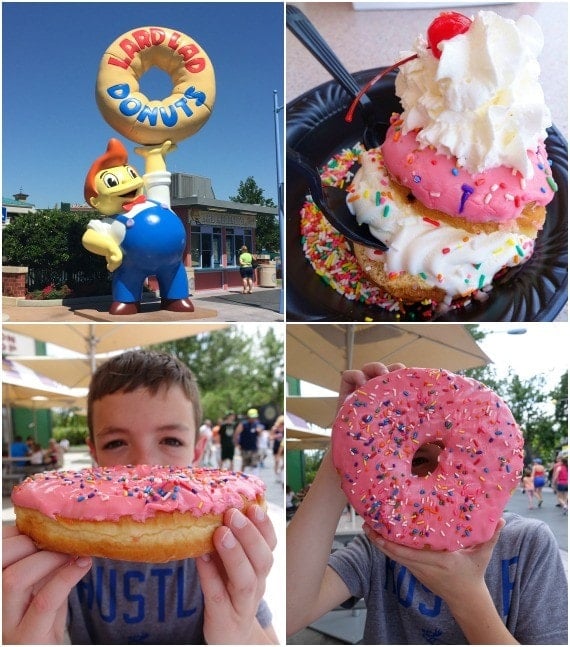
x: 16, y: 206
x: 215, y: 231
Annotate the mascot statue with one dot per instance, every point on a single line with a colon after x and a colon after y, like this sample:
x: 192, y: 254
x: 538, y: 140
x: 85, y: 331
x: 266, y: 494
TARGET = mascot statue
x: 140, y: 235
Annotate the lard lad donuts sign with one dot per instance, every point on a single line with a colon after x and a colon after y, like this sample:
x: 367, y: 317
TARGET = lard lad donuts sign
x: 149, y: 121
x: 141, y: 236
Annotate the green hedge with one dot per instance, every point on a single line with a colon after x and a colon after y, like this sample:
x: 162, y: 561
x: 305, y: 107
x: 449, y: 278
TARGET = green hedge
x: 76, y: 436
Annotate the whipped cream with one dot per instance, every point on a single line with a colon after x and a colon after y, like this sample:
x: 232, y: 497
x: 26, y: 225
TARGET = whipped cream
x: 481, y: 102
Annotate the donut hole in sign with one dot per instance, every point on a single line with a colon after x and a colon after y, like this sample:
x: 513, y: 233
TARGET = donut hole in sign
x: 426, y: 459
x: 156, y: 83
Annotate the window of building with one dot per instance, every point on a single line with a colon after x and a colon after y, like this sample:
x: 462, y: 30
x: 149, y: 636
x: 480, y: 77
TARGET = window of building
x: 236, y: 237
x: 206, y: 247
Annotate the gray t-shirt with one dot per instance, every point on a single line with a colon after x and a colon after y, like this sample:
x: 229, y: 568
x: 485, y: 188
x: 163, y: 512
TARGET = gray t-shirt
x: 138, y: 603
x: 525, y: 577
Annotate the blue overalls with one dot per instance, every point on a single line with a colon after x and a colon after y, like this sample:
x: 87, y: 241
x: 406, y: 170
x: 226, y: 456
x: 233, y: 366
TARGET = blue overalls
x: 153, y: 245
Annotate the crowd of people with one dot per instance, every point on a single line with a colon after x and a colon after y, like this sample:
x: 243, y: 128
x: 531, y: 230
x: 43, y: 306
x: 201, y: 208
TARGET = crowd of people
x: 243, y: 437
x: 34, y: 456
x: 536, y: 477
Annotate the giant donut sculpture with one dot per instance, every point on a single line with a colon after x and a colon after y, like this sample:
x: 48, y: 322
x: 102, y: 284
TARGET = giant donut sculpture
x: 129, y: 111
x: 457, y: 500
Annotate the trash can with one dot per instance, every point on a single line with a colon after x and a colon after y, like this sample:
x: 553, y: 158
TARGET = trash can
x: 191, y: 279
x: 267, y: 274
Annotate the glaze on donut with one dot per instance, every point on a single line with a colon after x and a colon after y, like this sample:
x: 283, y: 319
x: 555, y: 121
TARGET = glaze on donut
x: 457, y: 503
x: 142, y: 513
x: 497, y: 195
x: 129, y: 111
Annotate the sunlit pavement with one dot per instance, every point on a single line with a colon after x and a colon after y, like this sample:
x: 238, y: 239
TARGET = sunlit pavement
x: 265, y: 304
x: 549, y: 513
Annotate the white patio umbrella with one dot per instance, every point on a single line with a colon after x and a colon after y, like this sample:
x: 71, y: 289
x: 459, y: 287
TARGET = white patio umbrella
x: 74, y: 401
x: 74, y: 372
x: 24, y: 388
x: 21, y: 386
x: 314, y: 409
x: 318, y: 353
x: 93, y: 341
x: 301, y: 435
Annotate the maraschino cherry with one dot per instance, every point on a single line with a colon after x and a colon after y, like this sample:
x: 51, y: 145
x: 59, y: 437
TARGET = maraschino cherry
x: 445, y: 27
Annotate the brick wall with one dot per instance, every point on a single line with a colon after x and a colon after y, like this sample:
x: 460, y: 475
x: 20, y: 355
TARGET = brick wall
x: 14, y: 281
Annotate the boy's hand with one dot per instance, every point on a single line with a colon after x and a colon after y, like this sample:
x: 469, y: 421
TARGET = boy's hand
x: 353, y: 379
x: 457, y: 577
x: 35, y: 587
x: 233, y: 578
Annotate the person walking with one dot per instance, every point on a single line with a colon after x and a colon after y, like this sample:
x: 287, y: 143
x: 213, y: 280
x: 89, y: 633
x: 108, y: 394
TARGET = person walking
x: 560, y: 483
x: 538, y: 474
x: 277, y: 432
x: 528, y: 487
x: 247, y: 436
x: 206, y: 435
x: 227, y: 429
x: 246, y: 269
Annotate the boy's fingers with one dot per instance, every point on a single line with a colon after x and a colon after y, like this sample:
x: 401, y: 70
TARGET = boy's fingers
x: 24, y: 592
x: 211, y: 582
x: 259, y: 517
x: 352, y: 379
x: 46, y: 605
x: 236, y: 573
x: 250, y: 531
x: 241, y: 579
x: 16, y: 548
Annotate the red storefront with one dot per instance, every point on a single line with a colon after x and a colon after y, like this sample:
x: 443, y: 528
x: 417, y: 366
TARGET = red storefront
x: 215, y: 230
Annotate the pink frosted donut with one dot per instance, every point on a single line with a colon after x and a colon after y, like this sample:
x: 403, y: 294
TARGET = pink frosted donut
x: 142, y: 513
x: 427, y: 458
x: 495, y: 195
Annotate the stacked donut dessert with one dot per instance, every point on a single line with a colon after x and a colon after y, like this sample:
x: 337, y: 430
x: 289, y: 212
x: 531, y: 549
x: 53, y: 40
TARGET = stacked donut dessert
x: 137, y: 513
x: 458, y: 189
x: 427, y: 458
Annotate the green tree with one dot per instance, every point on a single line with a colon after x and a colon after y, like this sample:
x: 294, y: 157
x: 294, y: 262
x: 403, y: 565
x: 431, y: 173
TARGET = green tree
x: 267, y: 225
x: 313, y: 460
x: 234, y: 370
x: 50, y: 240
x: 559, y: 398
x: 250, y: 193
x: 541, y: 414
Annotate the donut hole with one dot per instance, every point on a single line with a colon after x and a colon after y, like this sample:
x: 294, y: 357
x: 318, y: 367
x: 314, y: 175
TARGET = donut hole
x: 155, y: 84
x: 426, y: 459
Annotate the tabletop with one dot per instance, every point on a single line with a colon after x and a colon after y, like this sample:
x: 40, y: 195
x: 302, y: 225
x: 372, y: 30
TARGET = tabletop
x: 370, y: 38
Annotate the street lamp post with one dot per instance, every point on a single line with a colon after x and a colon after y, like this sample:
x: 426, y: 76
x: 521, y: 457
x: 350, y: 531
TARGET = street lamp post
x: 279, y: 166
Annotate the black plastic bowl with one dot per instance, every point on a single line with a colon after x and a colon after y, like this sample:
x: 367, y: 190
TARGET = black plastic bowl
x: 535, y: 291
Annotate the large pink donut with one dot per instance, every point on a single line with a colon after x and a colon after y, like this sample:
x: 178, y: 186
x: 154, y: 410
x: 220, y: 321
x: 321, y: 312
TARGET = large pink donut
x: 380, y: 428
x: 141, y: 513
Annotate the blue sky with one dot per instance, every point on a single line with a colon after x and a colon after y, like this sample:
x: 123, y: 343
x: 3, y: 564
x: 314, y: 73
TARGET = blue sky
x: 52, y: 129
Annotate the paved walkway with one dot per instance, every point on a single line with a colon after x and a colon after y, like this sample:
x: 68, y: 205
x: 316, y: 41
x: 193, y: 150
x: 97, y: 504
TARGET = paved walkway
x: 265, y: 304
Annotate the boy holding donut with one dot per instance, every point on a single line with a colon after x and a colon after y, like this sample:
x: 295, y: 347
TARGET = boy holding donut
x: 143, y: 407
x: 492, y: 593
